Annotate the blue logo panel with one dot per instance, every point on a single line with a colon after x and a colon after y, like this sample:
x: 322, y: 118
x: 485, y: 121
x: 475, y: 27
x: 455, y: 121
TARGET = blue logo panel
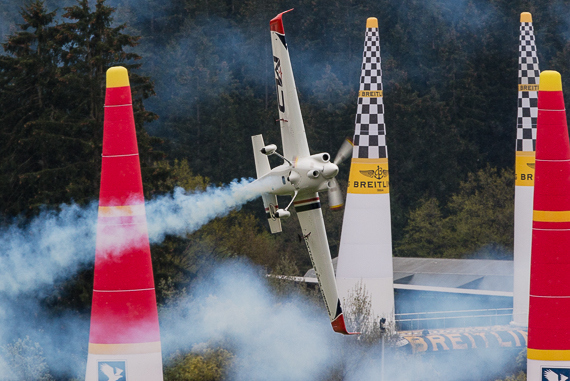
x: 555, y: 374
x: 112, y: 370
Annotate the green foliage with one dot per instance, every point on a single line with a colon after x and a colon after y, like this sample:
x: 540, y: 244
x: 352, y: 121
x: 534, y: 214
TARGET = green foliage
x: 522, y: 359
x: 26, y: 361
x: 520, y: 376
x: 479, y: 216
x: 483, y: 210
x: 520, y: 364
x: 329, y: 113
x: 282, y: 280
x: 421, y: 131
x: 208, y: 365
x: 423, y: 232
x: 52, y: 88
x: 237, y: 235
x: 180, y: 175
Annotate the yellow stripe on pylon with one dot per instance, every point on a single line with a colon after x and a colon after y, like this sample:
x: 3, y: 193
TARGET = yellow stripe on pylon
x: 124, y: 349
x: 551, y: 215
x: 548, y: 354
x: 122, y: 211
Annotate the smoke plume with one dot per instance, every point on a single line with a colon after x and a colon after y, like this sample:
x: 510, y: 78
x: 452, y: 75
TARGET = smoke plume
x: 57, y: 243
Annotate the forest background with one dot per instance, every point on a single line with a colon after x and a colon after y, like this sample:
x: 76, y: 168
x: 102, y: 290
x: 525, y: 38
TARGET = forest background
x: 202, y: 77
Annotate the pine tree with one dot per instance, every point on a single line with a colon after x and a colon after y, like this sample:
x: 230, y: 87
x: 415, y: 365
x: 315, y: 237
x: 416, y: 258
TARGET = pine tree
x: 28, y: 75
x: 52, y: 88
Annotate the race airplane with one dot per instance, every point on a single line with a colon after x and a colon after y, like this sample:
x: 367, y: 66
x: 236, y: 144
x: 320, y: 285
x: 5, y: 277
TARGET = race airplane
x: 301, y: 176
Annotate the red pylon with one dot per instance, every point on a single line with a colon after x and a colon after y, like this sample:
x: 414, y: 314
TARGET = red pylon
x: 124, y: 334
x: 549, y: 321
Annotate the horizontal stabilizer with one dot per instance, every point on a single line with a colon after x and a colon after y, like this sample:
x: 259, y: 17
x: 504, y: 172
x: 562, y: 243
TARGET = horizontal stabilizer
x: 262, y: 168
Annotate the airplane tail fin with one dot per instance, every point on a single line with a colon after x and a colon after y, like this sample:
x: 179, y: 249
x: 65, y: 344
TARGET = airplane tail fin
x: 262, y: 168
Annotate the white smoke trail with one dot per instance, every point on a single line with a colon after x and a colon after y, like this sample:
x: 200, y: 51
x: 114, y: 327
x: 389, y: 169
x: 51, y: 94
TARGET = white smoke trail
x: 56, y: 244
x: 181, y: 212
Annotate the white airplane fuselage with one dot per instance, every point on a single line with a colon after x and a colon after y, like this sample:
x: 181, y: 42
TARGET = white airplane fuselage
x: 309, y: 174
x: 301, y: 176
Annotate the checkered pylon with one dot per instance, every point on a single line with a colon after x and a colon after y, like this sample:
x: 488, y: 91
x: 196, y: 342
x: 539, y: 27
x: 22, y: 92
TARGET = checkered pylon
x: 528, y: 88
x: 370, y: 131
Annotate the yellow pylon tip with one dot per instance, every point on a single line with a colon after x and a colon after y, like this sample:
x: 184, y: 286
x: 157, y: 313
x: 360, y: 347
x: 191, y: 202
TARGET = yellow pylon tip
x: 550, y: 80
x: 372, y: 22
x: 117, y: 76
x: 526, y: 17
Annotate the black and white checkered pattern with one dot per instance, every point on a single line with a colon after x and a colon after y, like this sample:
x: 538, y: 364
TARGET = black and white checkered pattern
x: 527, y: 100
x: 370, y: 131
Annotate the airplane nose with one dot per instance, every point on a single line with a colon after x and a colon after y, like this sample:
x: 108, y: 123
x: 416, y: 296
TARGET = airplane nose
x: 330, y: 170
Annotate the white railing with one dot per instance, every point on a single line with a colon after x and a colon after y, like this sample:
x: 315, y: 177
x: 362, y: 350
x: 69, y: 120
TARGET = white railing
x: 453, y: 319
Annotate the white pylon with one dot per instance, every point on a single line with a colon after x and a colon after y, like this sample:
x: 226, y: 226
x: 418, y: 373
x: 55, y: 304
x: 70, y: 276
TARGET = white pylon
x: 524, y: 168
x: 365, y: 254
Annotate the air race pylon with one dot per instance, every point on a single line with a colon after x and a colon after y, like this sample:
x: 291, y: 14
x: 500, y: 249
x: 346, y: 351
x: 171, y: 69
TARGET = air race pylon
x: 549, y: 321
x: 365, y: 254
x: 524, y: 167
x: 124, y: 339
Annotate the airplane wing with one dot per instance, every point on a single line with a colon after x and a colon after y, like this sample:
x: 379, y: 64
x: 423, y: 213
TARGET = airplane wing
x: 308, y: 207
x: 292, y: 127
